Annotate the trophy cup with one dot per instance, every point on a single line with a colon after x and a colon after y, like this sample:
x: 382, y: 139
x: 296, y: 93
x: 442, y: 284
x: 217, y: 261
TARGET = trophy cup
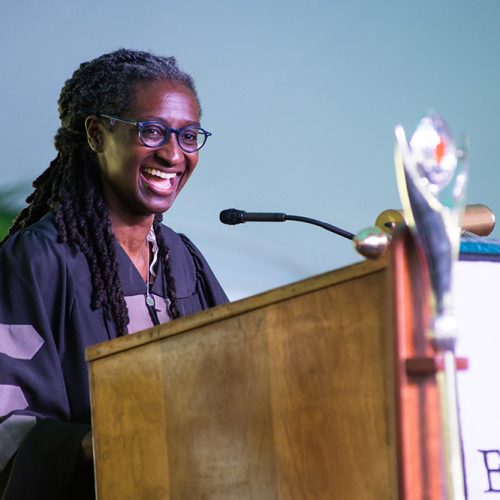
x: 432, y: 177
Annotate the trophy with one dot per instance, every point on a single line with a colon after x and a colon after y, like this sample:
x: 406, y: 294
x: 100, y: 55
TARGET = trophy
x: 432, y: 178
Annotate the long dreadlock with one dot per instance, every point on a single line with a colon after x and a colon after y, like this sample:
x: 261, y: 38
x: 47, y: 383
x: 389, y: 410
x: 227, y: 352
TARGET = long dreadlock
x: 70, y: 186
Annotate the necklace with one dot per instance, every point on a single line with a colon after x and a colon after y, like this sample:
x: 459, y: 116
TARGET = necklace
x: 150, y: 301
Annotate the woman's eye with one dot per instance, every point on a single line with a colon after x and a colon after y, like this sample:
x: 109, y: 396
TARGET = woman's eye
x: 153, y: 131
x: 190, y: 135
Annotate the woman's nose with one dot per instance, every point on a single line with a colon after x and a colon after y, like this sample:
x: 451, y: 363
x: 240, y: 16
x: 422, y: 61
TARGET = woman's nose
x: 171, y: 152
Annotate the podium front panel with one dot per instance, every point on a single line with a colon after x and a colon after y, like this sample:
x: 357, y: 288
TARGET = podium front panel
x: 283, y: 396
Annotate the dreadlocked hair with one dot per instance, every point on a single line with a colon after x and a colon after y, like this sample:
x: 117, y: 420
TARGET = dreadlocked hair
x: 70, y: 187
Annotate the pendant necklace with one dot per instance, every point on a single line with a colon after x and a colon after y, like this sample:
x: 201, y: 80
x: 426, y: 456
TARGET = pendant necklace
x: 150, y: 301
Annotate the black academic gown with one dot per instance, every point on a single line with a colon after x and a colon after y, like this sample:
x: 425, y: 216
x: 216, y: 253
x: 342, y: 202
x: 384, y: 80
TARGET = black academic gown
x: 46, y: 323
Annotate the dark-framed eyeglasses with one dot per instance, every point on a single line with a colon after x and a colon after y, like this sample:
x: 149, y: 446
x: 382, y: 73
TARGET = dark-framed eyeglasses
x: 154, y: 134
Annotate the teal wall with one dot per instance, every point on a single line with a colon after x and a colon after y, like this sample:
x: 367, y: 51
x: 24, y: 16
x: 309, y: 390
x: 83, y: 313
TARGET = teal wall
x: 331, y: 79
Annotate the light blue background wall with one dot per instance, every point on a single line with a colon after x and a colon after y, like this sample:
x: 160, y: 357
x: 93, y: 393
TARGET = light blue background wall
x: 275, y: 79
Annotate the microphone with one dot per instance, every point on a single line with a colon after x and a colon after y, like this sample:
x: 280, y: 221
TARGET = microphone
x: 233, y: 216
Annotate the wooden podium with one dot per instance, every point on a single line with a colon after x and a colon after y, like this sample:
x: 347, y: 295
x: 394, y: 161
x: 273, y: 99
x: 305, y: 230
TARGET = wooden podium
x: 291, y: 394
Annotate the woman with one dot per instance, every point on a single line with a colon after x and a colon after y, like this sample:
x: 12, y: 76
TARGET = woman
x: 89, y: 260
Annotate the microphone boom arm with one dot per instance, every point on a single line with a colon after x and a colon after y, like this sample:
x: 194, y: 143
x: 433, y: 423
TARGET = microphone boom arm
x: 324, y: 225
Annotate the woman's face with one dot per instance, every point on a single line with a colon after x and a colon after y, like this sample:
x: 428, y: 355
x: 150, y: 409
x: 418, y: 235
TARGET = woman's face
x: 139, y: 181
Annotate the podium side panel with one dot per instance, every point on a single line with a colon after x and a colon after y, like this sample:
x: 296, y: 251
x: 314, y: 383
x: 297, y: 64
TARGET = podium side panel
x: 130, y: 442
x: 418, y: 414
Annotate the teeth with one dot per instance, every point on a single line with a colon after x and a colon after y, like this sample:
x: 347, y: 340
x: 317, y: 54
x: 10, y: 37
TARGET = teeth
x: 159, y: 173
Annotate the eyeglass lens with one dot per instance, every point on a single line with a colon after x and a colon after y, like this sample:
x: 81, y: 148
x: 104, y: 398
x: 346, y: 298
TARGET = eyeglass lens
x: 155, y: 134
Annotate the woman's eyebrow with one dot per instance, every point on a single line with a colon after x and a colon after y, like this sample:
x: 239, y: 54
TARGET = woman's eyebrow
x: 162, y: 120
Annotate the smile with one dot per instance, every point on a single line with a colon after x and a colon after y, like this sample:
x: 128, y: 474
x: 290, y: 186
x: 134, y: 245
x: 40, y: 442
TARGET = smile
x: 160, y: 181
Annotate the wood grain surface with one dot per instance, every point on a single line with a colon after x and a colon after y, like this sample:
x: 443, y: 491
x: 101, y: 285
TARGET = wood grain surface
x: 420, y: 445
x: 286, y: 395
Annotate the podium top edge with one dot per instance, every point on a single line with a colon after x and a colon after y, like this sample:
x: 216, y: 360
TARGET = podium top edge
x: 236, y: 308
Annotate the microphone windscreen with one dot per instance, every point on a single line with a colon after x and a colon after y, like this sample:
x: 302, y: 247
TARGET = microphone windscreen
x: 231, y: 216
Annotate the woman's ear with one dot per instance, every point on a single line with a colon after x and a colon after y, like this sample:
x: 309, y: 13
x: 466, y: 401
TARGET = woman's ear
x: 93, y: 127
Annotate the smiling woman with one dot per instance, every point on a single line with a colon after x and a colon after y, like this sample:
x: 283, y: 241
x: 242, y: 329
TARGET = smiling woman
x: 141, y: 177
x: 89, y: 260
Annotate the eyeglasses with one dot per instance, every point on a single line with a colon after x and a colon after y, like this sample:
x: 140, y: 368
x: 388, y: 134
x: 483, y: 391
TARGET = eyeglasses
x: 154, y: 134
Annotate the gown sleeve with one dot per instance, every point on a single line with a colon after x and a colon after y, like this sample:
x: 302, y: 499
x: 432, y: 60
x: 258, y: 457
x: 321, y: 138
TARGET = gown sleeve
x: 37, y: 438
x: 208, y: 288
